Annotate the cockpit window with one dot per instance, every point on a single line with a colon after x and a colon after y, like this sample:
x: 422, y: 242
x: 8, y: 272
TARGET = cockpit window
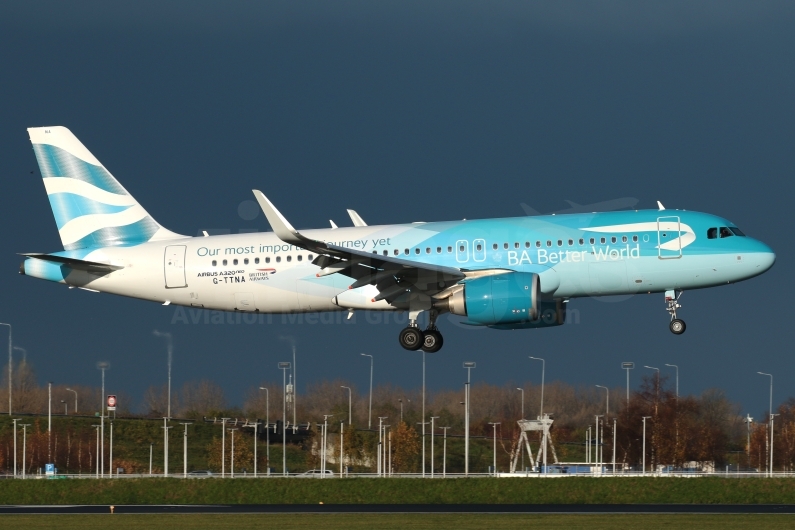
x: 712, y: 233
x: 736, y: 231
x: 725, y: 232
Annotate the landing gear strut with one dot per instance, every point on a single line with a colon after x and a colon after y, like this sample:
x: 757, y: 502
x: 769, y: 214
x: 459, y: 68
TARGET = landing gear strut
x: 411, y: 338
x: 677, y: 326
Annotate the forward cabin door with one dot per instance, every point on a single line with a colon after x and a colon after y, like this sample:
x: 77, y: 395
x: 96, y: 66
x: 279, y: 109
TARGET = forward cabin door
x: 174, y: 264
x: 669, y: 244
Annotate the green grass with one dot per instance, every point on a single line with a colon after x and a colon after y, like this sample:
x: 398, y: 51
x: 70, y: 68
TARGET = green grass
x: 399, y: 521
x: 579, y: 490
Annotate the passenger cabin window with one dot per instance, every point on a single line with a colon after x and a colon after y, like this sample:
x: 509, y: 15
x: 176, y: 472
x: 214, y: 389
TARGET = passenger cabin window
x: 449, y: 250
x: 245, y: 261
x: 427, y: 250
x: 505, y: 246
x: 300, y: 257
x: 309, y: 257
x: 289, y: 258
x: 267, y: 260
x: 397, y: 252
x: 538, y: 244
x: 582, y: 241
x: 516, y: 245
x: 256, y: 261
x: 571, y: 242
x: 438, y: 250
x: 725, y: 232
x: 234, y: 261
x: 278, y: 259
x: 602, y: 240
x: 623, y: 239
x: 634, y: 239
x: 215, y: 263
x: 526, y: 244
x: 592, y: 240
x: 495, y: 246
x: 406, y: 252
x: 224, y: 263
x: 479, y: 247
x: 416, y: 251
x: 386, y: 252
x: 560, y: 242
x: 462, y: 248
x: 613, y: 239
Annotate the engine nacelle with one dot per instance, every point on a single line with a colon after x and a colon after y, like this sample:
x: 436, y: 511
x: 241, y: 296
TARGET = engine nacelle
x: 550, y: 313
x: 510, y: 298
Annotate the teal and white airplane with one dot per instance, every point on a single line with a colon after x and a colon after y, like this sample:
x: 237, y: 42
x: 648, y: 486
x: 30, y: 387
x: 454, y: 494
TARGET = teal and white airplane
x: 512, y: 273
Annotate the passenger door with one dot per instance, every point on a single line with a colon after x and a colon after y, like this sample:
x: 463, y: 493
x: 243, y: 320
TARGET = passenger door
x: 174, y: 266
x: 669, y: 244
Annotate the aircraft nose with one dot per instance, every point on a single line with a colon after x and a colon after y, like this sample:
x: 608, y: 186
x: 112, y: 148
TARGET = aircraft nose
x: 765, y: 257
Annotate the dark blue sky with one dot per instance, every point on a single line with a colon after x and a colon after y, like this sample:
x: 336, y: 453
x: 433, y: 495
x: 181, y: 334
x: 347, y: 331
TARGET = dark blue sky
x: 407, y: 111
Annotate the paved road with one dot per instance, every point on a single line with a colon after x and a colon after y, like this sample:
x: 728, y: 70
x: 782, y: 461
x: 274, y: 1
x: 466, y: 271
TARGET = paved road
x: 412, y: 508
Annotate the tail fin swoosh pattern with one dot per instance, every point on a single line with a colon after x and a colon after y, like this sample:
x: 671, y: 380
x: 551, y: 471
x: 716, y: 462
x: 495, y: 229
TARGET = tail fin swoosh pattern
x: 90, y: 207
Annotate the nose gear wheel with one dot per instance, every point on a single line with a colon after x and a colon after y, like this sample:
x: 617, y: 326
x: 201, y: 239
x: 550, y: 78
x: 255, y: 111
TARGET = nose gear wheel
x: 677, y: 325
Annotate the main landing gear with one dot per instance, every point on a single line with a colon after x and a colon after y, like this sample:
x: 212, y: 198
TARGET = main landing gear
x: 677, y: 326
x: 430, y: 340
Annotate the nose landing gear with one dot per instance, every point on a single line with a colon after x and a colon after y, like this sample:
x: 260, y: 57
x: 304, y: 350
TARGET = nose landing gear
x: 677, y: 326
x: 430, y: 341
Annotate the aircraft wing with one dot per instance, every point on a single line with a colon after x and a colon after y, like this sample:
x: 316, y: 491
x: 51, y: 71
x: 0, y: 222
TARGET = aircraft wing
x: 395, y: 278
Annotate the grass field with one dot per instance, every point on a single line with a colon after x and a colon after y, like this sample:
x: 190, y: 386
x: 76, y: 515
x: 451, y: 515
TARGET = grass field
x: 401, y: 521
x: 575, y: 490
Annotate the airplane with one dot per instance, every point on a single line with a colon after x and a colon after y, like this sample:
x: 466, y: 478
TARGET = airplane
x: 511, y: 273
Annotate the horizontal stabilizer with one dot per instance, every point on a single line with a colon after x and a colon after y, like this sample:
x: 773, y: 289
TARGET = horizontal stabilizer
x: 76, y: 264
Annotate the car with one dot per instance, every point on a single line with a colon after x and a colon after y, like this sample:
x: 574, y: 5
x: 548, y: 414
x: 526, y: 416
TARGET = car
x: 317, y: 473
x: 200, y: 474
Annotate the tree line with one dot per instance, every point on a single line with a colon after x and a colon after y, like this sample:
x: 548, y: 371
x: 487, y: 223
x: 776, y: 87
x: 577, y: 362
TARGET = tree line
x: 680, y: 430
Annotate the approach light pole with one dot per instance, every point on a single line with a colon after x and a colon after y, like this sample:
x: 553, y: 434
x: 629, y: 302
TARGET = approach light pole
x: 521, y: 450
x: 223, y: 447
x: 432, y: 429
x: 607, y: 399
x: 102, y: 366
x: 644, y: 443
x: 468, y: 366
x: 185, y: 452
x: 75, y: 392
x: 771, y: 421
x: 677, y: 379
x: 370, y: 413
x: 350, y: 403
x: 170, y: 355
x: 25, y: 446
x: 284, y: 366
x: 627, y: 367
x: 267, y: 428
x: 494, y: 424
x: 10, y: 365
x: 15, y: 420
x: 444, y: 453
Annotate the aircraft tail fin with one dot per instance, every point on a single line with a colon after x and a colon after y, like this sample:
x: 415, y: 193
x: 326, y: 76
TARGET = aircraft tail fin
x: 91, y: 208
